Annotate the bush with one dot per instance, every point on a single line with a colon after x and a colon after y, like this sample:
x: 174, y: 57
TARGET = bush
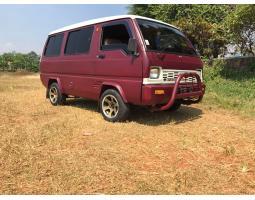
x: 230, y: 88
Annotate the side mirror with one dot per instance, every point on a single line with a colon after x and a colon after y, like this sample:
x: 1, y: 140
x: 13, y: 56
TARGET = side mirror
x: 132, y: 46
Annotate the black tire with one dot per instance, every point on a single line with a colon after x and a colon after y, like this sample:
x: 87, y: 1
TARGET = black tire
x: 123, y: 108
x: 59, y: 99
x: 175, y: 106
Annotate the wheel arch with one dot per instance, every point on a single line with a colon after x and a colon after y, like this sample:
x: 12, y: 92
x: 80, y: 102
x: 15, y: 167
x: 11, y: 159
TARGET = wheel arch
x: 53, y: 80
x: 110, y: 85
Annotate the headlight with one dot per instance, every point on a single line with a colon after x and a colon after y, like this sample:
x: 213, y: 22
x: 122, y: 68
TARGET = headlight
x: 154, y: 73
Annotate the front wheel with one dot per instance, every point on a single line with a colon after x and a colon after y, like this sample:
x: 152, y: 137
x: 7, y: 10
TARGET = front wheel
x: 112, y: 107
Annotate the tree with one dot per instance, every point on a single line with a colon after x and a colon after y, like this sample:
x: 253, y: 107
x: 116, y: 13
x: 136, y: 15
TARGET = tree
x: 172, y: 12
x: 1, y: 63
x: 7, y: 61
x: 141, y: 9
x: 33, y: 61
x: 18, y: 61
x: 14, y: 61
x: 241, y: 28
x: 201, y: 23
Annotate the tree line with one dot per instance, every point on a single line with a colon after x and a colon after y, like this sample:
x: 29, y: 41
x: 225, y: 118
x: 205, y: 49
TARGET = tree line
x: 209, y: 27
x: 19, y: 61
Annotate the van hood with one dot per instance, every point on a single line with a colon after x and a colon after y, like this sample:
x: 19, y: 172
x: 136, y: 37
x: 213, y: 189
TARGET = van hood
x: 174, y: 61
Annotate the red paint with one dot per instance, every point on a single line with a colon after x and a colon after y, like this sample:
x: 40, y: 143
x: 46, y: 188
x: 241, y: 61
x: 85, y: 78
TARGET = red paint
x: 85, y: 75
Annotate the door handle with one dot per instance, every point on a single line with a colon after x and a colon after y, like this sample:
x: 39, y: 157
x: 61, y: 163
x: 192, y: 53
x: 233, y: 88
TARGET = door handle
x: 101, y: 56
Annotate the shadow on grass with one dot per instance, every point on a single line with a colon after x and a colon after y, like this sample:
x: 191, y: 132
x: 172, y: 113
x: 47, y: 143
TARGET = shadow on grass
x: 83, y: 104
x: 142, y: 115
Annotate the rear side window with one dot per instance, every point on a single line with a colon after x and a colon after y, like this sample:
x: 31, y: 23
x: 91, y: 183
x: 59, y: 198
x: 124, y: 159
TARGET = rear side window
x: 53, y: 46
x: 79, y: 41
x: 115, y: 37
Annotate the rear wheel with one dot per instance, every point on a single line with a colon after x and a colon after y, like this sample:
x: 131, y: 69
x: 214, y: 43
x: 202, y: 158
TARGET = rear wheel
x: 112, y: 107
x: 55, y: 95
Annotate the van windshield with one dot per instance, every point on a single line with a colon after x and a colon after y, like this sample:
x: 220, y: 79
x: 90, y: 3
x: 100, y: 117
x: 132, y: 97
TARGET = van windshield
x: 163, y: 38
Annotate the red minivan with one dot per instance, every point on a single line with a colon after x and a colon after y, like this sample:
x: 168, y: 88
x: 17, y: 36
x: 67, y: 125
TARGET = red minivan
x: 122, y: 61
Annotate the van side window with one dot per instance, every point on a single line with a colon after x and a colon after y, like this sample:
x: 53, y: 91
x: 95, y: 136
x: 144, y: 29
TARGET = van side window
x: 79, y: 41
x: 53, y: 46
x: 115, y: 37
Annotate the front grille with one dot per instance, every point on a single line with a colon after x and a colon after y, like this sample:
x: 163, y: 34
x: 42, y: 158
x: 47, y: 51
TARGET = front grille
x: 187, y: 89
x: 171, y: 76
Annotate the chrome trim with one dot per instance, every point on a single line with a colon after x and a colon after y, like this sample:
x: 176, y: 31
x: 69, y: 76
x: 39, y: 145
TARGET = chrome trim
x: 169, y: 76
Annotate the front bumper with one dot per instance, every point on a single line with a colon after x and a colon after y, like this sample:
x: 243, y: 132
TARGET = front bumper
x: 172, y: 92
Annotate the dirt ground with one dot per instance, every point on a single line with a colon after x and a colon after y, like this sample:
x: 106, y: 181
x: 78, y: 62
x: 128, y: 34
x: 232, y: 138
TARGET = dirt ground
x: 71, y: 150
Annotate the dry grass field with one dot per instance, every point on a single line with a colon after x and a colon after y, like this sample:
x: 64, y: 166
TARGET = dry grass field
x: 71, y: 150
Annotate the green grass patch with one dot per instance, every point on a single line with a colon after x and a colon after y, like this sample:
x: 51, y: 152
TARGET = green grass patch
x: 230, y: 88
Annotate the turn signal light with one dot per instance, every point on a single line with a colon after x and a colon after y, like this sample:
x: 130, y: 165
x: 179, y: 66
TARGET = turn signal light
x: 159, y: 91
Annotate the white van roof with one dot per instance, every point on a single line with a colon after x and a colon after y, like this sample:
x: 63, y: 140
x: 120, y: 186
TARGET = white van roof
x: 104, y: 19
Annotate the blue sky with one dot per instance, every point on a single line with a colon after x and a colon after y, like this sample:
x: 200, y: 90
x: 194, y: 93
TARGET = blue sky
x: 25, y: 27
